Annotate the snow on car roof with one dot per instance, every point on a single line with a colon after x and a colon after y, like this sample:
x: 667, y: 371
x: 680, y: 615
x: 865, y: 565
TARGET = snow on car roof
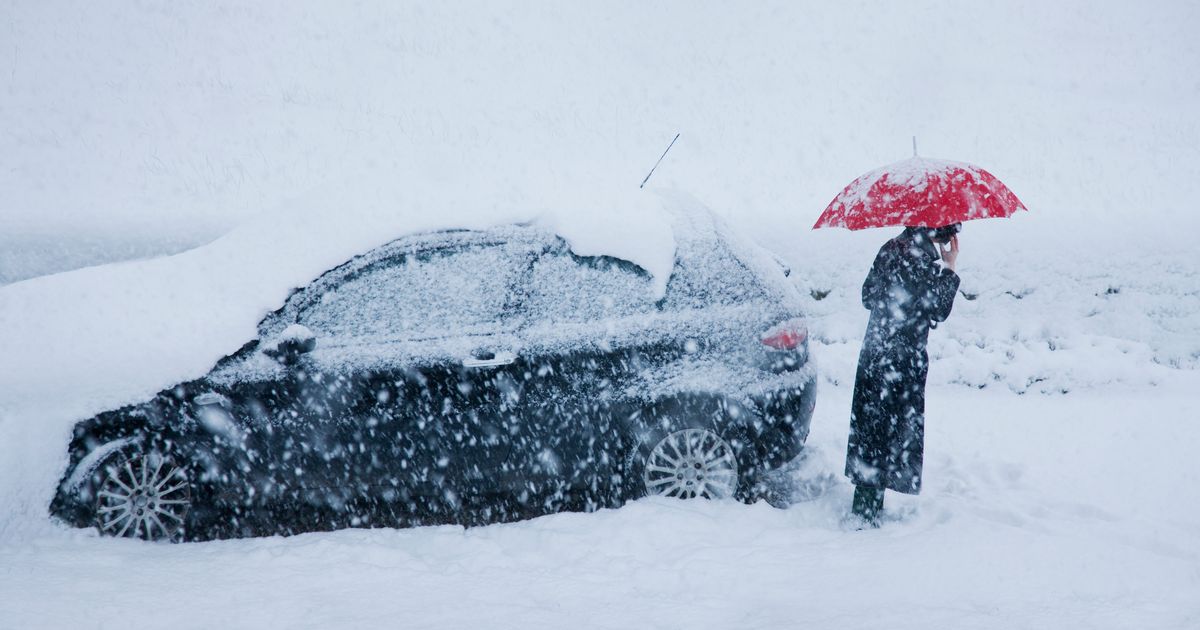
x: 118, y: 333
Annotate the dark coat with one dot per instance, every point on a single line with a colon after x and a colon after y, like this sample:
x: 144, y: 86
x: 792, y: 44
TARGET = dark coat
x: 906, y: 291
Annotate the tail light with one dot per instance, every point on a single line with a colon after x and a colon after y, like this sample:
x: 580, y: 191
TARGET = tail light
x: 787, y: 345
x: 789, y: 335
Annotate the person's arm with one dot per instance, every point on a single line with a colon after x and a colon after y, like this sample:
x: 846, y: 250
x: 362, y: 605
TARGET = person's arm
x: 944, y: 285
x: 941, y: 294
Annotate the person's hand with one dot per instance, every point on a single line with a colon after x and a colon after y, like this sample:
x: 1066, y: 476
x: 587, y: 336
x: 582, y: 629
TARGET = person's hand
x: 950, y: 253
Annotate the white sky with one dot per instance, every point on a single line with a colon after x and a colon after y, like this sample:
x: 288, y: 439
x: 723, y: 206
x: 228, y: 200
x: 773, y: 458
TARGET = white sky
x: 170, y: 117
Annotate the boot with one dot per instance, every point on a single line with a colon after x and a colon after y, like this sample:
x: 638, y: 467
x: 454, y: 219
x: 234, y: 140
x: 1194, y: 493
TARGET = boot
x: 868, y: 503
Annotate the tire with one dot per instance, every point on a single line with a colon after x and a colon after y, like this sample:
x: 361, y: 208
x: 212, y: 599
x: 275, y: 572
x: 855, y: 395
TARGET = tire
x: 145, y: 495
x: 690, y: 448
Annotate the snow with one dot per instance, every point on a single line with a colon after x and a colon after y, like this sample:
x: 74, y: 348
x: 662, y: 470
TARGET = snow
x: 914, y: 173
x: 631, y: 227
x: 1041, y: 512
x: 248, y: 149
x: 296, y: 333
x: 1036, y: 321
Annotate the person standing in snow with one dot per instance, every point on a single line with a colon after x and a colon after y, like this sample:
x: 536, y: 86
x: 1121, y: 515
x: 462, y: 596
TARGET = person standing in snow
x: 907, y: 291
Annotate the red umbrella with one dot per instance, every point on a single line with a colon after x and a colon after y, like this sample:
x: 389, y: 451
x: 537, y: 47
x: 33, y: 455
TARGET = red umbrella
x: 920, y: 192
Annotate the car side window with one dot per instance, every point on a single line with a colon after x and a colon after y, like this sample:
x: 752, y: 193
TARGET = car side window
x: 711, y: 275
x: 564, y: 287
x: 447, y: 291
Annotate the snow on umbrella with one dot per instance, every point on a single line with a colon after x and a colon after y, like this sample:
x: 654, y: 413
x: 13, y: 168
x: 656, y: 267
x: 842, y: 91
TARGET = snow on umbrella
x: 920, y: 192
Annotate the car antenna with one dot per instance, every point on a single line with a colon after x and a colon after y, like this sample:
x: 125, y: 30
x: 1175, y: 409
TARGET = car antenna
x: 660, y: 159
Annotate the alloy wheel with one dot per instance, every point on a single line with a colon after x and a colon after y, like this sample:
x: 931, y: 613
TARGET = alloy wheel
x: 691, y: 463
x: 144, y: 496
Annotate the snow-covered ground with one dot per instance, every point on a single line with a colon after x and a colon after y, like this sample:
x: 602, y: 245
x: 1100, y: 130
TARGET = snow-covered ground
x: 1040, y: 512
x: 1060, y: 468
x: 1062, y: 435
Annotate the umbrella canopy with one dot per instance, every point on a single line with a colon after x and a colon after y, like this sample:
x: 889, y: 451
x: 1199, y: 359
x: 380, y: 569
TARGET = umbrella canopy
x: 920, y: 192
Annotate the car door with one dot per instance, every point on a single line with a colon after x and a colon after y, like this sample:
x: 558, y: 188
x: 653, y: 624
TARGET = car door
x: 582, y: 338
x: 418, y: 351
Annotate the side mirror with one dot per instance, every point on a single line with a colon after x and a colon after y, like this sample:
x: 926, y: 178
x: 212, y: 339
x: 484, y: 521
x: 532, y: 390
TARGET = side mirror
x: 787, y: 270
x: 295, y: 340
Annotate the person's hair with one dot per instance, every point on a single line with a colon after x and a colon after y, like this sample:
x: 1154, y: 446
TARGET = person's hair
x: 945, y: 233
x: 941, y: 234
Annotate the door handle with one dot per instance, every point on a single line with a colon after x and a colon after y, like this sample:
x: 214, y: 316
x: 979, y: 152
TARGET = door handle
x: 489, y: 359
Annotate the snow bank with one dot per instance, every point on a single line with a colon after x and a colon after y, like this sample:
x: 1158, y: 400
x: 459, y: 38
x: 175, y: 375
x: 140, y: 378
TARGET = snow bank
x: 1026, y: 320
x: 28, y: 254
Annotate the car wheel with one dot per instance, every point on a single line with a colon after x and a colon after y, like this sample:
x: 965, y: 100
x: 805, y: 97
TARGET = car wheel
x: 145, y: 496
x: 691, y: 463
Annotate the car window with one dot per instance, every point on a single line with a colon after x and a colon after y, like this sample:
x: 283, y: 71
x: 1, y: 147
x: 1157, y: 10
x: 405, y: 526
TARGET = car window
x: 707, y: 273
x: 564, y: 287
x: 454, y: 290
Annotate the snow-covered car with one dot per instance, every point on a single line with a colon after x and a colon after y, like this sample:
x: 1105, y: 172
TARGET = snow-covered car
x: 468, y: 376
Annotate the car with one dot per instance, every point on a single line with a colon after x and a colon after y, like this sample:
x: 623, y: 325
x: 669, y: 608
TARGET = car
x: 470, y: 377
